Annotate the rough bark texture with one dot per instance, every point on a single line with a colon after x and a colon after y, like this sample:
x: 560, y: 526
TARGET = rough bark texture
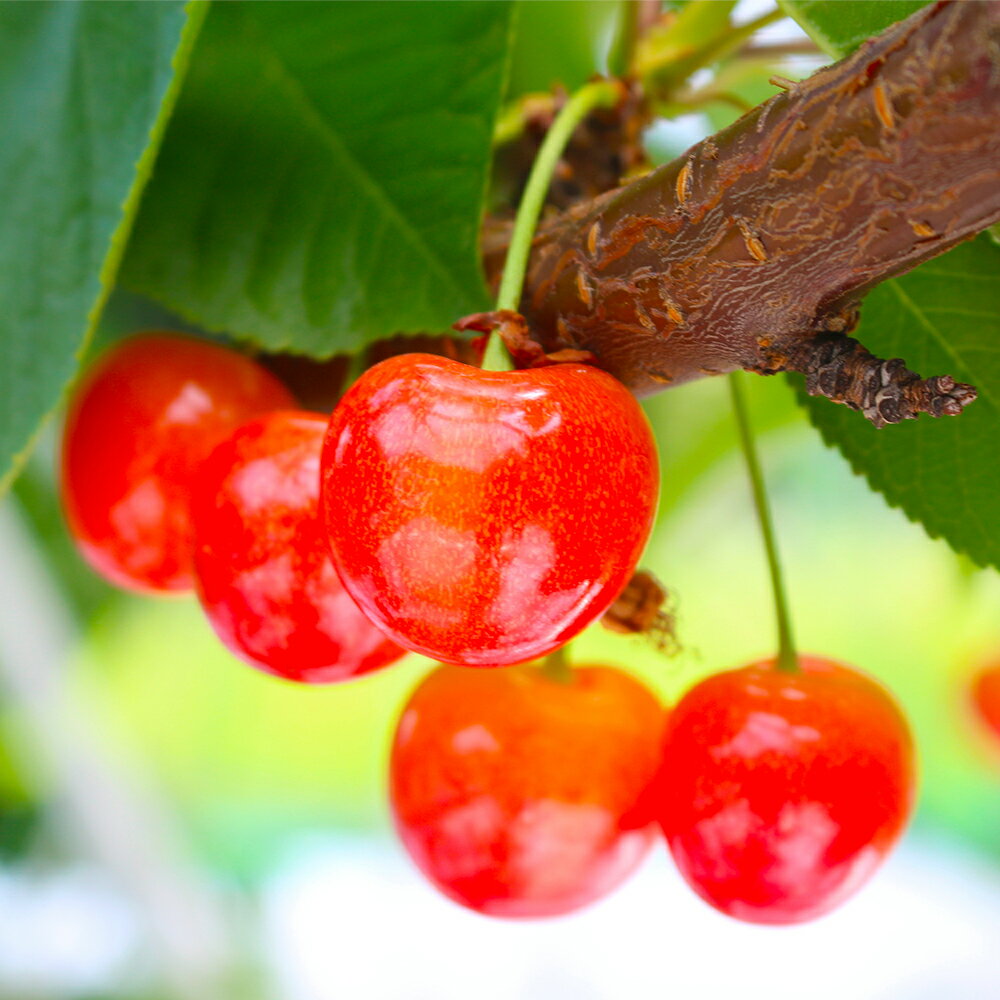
x: 754, y: 249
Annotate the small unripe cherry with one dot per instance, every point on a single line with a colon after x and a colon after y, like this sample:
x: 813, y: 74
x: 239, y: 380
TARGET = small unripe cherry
x: 264, y: 574
x: 140, y: 422
x: 986, y: 696
x: 518, y: 795
x: 781, y: 792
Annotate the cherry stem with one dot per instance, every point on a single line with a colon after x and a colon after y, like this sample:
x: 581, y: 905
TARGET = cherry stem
x: 556, y: 667
x: 787, y: 658
x: 599, y: 94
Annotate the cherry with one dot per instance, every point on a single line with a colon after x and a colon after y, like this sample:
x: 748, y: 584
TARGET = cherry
x: 781, y: 792
x: 263, y: 570
x: 484, y: 517
x: 139, y: 423
x: 986, y: 695
x: 522, y: 796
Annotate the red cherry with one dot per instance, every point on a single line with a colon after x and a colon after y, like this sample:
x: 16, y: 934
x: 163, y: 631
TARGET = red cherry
x: 264, y: 573
x: 781, y: 793
x: 485, y: 517
x: 518, y: 795
x: 986, y: 695
x: 140, y: 422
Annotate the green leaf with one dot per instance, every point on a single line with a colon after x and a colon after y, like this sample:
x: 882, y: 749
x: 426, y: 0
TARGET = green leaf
x: 85, y: 90
x: 943, y: 319
x: 840, y: 26
x: 565, y: 42
x: 322, y: 181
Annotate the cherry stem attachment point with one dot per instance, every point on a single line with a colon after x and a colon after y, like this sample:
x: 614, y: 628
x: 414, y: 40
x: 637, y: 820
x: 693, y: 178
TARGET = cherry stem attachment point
x: 599, y: 94
x: 556, y: 667
x: 787, y: 659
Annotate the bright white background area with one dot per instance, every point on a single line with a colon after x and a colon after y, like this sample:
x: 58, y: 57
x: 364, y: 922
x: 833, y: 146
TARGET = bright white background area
x: 345, y: 920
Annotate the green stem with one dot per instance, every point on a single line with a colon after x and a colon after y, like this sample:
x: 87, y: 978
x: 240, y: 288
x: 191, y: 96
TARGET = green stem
x: 599, y: 94
x: 556, y: 666
x: 787, y: 659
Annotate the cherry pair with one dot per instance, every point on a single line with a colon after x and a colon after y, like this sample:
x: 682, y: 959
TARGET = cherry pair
x: 778, y: 793
x: 186, y: 465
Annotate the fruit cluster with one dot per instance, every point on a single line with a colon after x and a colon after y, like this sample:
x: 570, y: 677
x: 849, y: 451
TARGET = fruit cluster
x: 482, y: 519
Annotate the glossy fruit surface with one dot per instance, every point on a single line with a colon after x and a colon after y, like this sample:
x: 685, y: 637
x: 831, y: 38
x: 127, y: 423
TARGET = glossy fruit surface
x: 263, y: 569
x: 139, y: 424
x: 519, y: 796
x: 986, y: 696
x: 781, y: 793
x: 486, y: 517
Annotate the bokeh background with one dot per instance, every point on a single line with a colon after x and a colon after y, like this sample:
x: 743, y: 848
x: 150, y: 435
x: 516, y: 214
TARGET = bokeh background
x: 175, y: 825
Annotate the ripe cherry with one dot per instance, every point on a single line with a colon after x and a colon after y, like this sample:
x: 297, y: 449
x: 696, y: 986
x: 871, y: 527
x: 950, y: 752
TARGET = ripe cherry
x: 485, y: 517
x: 522, y: 796
x: 263, y: 569
x: 139, y: 424
x: 986, y: 696
x: 781, y: 792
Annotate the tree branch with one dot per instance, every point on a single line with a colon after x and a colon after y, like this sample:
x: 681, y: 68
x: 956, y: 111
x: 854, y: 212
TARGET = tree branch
x: 754, y: 249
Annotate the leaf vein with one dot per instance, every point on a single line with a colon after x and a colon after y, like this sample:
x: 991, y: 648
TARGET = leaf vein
x: 298, y: 94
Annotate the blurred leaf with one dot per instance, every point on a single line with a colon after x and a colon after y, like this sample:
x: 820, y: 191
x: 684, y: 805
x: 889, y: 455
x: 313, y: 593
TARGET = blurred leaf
x: 36, y: 493
x: 695, y: 431
x: 699, y: 21
x: 840, y: 26
x: 20, y: 813
x: 321, y: 184
x: 942, y: 318
x: 675, y: 47
x: 564, y: 43
x: 20, y: 826
x: 85, y: 89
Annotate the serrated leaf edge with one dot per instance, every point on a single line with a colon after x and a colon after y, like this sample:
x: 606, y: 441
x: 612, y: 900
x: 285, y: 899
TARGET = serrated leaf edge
x: 195, y: 16
x: 810, y: 405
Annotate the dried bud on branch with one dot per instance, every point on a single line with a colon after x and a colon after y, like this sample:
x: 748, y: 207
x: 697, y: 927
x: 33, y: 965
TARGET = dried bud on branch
x: 643, y: 608
x: 884, y: 391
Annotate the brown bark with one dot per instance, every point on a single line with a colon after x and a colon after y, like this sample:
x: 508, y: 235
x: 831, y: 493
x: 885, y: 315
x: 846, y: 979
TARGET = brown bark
x: 754, y: 248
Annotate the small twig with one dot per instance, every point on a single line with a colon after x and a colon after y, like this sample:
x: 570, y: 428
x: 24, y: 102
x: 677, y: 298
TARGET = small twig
x: 886, y: 392
x: 776, y: 50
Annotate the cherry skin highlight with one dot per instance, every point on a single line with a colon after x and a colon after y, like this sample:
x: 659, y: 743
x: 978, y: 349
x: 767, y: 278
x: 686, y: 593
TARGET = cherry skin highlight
x: 264, y: 574
x: 781, y: 793
x: 986, y: 696
x: 139, y: 424
x: 522, y: 796
x: 484, y: 518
